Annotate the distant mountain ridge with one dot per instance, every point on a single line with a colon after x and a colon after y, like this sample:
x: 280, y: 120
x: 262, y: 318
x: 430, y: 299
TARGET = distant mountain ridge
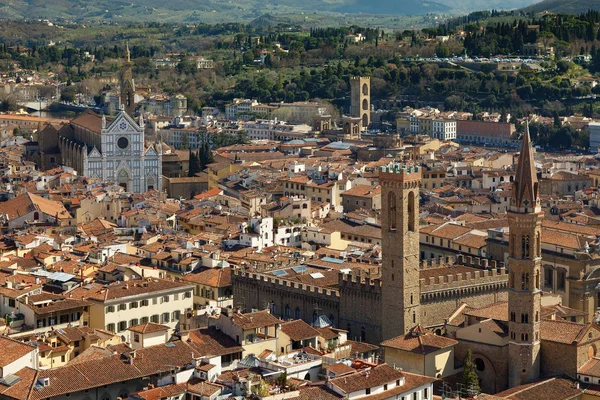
x: 564, y: 6
x: 232, y: 10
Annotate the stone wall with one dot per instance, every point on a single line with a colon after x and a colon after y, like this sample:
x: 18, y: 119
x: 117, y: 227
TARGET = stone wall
x: 494, y: 376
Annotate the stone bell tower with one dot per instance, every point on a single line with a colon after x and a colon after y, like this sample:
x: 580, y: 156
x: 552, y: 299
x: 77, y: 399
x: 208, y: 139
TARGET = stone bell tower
x: 127, y: 97
x: 400, y: 249
x: 360, y: 99
x: 524, y: 262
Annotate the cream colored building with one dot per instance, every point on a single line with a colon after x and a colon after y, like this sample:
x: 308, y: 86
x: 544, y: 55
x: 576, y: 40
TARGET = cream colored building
x: 122, y: 305
x: 255, y: 331
x: 421, y: 352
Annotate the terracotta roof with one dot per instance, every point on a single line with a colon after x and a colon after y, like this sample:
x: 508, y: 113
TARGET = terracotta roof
x: 363, y: 191
x: 361, y: 380
x: 361, y: 347
x: 254, y: 320
x: 318, y: 393
x: 554, y: 388
x: 107, y: 370
x: 299, y: 330
x: 419, y: 341
x: 90, y: 120
x: 497, y: 311
x: 28, y: 202
x: 202, y: 388
x: 160, y: 392
x: 22, y: 388
x: 340, y: 369
x: 149, y: 327
x: 591, y: 368
x: 563, y: 331
x: 213, y: 277
x: 117, y: 290
x: 210, y: 341
x: 12, y: 350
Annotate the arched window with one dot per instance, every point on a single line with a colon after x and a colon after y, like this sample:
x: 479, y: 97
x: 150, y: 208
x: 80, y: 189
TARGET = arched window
x: 315, y: 316
x: 365, y: 105
x: 538, y: 243
x: 414, y: 317
x: 297, y: 313
x: 392, y: 216
x: 287, y: 312
x: 365, y: 89
x: 525, y: 246
x: 411, y: 211
x: 537, y: 316
x: 36, y: 215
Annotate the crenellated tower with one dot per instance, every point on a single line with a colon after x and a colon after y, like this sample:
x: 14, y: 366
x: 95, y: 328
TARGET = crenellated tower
x: 400, y: 247
x: 524, y: 295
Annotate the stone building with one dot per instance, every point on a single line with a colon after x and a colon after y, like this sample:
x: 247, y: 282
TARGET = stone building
x: 360, y: 99
x: 109, y: 150
x: 362, y: 302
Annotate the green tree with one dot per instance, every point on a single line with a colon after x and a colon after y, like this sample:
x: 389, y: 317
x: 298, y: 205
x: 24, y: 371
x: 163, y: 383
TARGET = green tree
x: 194, y: 164
x: 470, y: 377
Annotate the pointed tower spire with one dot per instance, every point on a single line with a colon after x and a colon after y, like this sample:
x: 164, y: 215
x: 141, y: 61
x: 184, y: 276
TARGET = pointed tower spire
x: 525, y: 193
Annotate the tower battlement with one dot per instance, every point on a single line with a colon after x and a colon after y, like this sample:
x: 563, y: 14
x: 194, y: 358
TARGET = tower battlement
x: 400, y: 172
x: 359, y: 282
x: 276, y: 282
x: 359, y: 78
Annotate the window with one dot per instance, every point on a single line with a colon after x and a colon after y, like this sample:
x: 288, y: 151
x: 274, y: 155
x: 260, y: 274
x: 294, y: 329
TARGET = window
x: 62, y: 358
x: 144, y: 303
x: 175, y: 315
x: 164, y: 299
x: 144, y: 320
x: 154, y: 301
x: 187, y: 295
x: 368, y: 391
x: 133, y: 304
x: 110, y: 309
x: 110, y: 327
x: 176, y: 296
x: 122, y: 307
x: 164, y: 318
x: 385, y: 387
x: 134, y: 322
x: 122, y: 326
x: 155, y: 318
x: 425, y: 393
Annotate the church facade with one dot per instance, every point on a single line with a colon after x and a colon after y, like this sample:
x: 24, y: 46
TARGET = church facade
x: 111, y: 151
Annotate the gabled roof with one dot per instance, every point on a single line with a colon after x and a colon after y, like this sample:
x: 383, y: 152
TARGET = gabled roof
x: 419, y: 341
x: 254, y: 320
x: 299, y: 330
x: 12, y: 350
x: 149, y: 327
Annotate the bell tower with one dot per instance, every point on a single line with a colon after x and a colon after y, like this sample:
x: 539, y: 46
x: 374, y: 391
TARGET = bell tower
x: 524, y: 262
x: 127, y: 98
x: 400, y: 247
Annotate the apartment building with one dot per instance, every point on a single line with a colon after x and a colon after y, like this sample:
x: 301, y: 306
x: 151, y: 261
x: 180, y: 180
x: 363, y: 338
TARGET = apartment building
x: 121, y: 305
